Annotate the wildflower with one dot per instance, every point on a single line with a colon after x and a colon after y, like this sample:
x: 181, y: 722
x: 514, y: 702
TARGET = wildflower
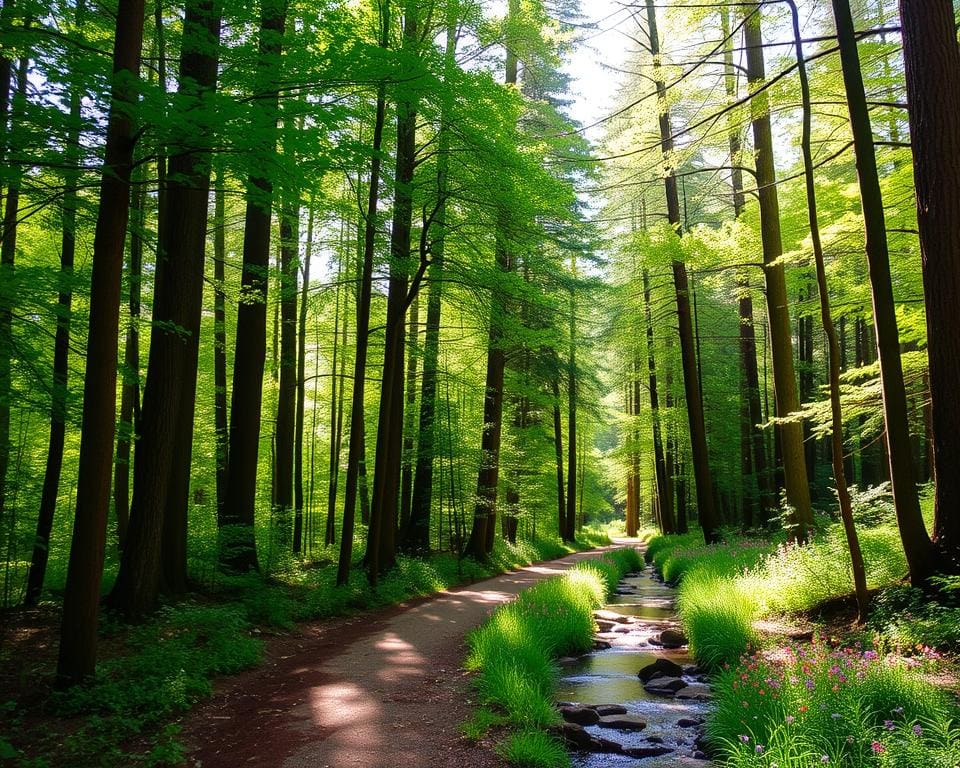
x: 917, y: 730
x: 850, y: 739
x: 877, y: 748
x: 888, y: 724
x: 869, y: 655
x: 835, y: 715
x: 898, y: 711
x: 810, y: 684
x: 758, y: 749
x: 824, y: 759
x: 790, y: 718
x: 744, y: 738
x: 802, y: 708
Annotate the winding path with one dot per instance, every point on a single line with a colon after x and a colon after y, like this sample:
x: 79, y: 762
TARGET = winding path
x: 383, y: 690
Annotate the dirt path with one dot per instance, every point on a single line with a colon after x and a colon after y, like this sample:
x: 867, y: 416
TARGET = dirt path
x: 380, y: 691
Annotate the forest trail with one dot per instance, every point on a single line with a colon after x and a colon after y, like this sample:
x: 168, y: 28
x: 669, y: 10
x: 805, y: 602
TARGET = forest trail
x: 379, y: 691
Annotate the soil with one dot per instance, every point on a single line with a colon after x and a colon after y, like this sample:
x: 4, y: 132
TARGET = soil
x: 379, y: 691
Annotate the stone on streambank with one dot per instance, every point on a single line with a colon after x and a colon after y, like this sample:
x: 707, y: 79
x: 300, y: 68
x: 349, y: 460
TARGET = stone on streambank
x: 580, y: 715
x: 622, y: 722
x: 670, y: 639
x: 577, y: 738
x: 665, y: 686
x: 617, y: 618
x: 651, y: 751
x: 661, y: 667
x: 608, y: 709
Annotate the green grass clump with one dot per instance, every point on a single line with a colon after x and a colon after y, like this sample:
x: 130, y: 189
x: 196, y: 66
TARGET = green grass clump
x: 513, y: 653
x: 718, y: 615
x: 533, y: 749
x: 813, y: 705
x: 480, y: 723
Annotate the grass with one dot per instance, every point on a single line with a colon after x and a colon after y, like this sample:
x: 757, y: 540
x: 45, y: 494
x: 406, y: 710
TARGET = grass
x: 533, y: 749
x: 514, y: 653
x: 156, y: 671
x: 812, y: 705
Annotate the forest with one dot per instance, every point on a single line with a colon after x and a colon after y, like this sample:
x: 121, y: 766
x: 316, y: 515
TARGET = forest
x: 313, y: 309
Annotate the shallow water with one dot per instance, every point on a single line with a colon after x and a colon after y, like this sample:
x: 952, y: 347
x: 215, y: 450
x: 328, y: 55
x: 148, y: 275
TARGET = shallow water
x: 610, y: 677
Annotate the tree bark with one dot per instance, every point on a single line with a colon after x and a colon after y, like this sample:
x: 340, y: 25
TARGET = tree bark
x: 913, y: 532
x: 833, y: 344
x: 81, y: 603
x: 932, y: 64
x: 220, y: 406
x: 238, y: 549
x: 688, y: 355
x: 480, y: 543
x: 778, y: 309
x: 155, y: 550
x: 381, y: 540
x: 285, y: 425
x: 661, y: 470
x: 356, y: 458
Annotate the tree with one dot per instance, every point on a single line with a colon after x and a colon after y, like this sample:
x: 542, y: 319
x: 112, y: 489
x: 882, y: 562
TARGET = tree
x: 81, y: 600
x: 239, y: 551
x: 932, y: 65
x: 913, y: 532
x: 778, y: 308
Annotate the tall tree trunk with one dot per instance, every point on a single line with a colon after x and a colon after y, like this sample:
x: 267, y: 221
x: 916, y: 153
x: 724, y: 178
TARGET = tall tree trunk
x: 220, y: 427
x: 155, y: 550
x: 480, y: 543
x: 833, y: 345
x: 662, y: 471
x: 356, y: 458
x: 300, y: 415
x: 238, y: 549
x: 691, y: 379
x: 81, y: 602
x: 381, y: 541
x: 932, y: 64
x: 330, y: 530
x: 285, y: 425
x: 8, y: 250
x: 61, y: 344
x: 913, y: 532
x: 417, y: 536
x: 778, y: 309
x: 130, y: 389
x: 558, y: 449
x: 406, y: 481
x: 570, y: 531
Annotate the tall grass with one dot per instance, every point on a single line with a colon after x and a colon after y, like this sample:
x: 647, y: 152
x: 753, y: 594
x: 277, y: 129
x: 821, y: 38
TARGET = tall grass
x: 514, y: 652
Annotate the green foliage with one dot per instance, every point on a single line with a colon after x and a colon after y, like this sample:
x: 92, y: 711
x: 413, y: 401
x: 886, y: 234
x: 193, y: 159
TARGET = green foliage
x: 480, y: 722
x: 908, y: 617
x: 533, y: 749
x: 798, y: 706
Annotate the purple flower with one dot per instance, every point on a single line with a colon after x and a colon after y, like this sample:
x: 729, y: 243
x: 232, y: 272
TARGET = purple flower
x: 888, y: 724
x: 869, y: 655
x: 790, y: 718
x: 758, y: 749
x: 810, y: 684
x: 917, y: 730
x: 744, y: 738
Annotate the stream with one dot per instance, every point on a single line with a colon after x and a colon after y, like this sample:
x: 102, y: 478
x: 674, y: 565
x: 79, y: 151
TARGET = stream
x: 653, y: 724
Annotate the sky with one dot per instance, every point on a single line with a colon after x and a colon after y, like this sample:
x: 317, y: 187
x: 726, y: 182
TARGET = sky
x: 594, y: 86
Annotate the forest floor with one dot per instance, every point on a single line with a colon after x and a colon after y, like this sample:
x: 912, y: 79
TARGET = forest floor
x: 380, y: 690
